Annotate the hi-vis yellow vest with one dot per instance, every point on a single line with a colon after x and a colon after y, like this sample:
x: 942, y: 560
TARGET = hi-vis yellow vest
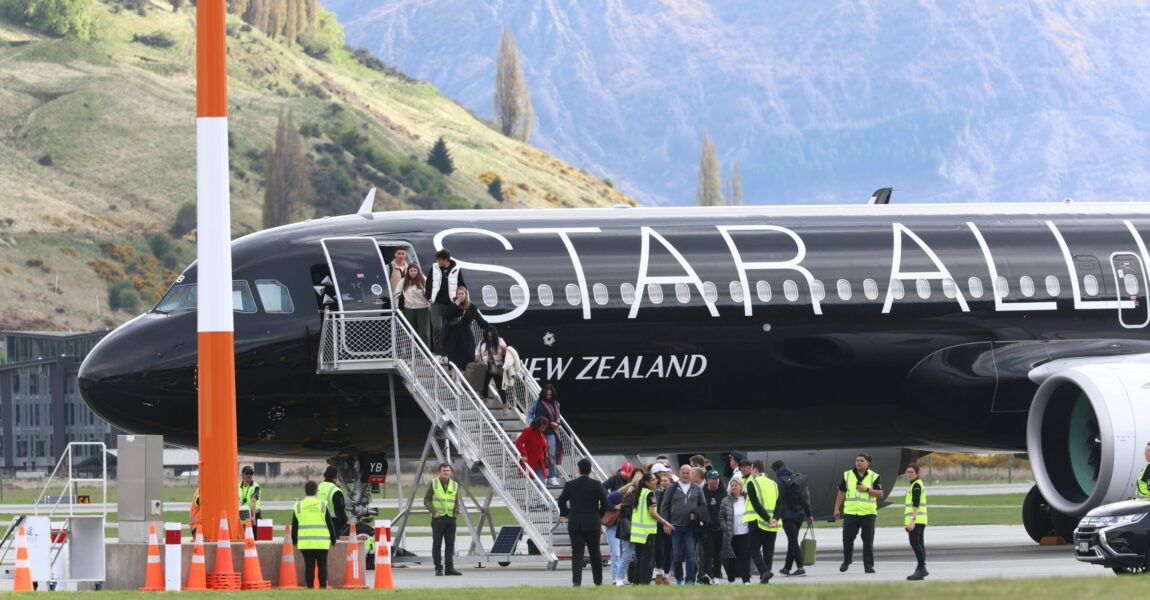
x: 767, y: 491
x: 1143, y: 491
x: 642, y: 523
x: 908, y: 504
x: 311, y: 513
x: 327, y: 491
x: 444, y: 500
x: 249, y: 498
x: 856, y: 502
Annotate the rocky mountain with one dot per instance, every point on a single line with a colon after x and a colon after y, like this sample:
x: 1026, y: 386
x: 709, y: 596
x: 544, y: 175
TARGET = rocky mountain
x: 971, y: 100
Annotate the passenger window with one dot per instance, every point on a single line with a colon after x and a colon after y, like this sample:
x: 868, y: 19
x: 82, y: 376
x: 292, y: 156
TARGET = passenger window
x: 1001, y: 287
x: 600, y: 292
x: 844, y: 289
x: 974, y: 284
x: 1052, y: 285
x: 790, y: 290
x: 949, y: 289
x: 518, y: 298
x: 818, y: 292
x: 1026, y: 286
x: 736, y: 290
x: 682, y: 293
x: 274, y: 296
x: 922, y: 287
x: 763, y: 289
x: 655, y: 293
x: 627, y: 291
x: 710, y: 292
x: 490, y: 298
x: 1090, y: 285
x: 1130, y: 282
x: 546, y: 298
x: 572, y: 292
x: 242, y: 299
x: 898, y: 290
x: 870, y: 289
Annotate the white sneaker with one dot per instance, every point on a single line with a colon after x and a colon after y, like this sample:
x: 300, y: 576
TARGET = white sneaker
x: 553, y: 481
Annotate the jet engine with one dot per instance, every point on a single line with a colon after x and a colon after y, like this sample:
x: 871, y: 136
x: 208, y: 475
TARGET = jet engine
x: 1086, y: 430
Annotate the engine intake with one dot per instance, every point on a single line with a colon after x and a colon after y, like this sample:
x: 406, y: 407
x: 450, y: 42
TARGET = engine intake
x: 1085, y: 432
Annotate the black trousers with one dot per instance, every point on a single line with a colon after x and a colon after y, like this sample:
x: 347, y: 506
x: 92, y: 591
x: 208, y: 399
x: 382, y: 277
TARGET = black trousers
x: 643, y: 563
x: 487, y: 379
x: 710, y: 546
x: 588, y: 540
x: 443, y: 535
x: 740, y: 568
x: 851, y: 526
x: 916, y: 544
x: 311, y: 560
x: 762, y: 548
x: 663, y: 552
x: 792, y: 526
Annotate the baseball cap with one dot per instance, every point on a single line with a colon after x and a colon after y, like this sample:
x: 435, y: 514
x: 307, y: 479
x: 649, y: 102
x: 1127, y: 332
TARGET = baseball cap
x: 248, y: 470
x: 712, y: 474
x: 659, y: 468
x: 745, y: 462
x: 626, y: 469
x: 738, y: 456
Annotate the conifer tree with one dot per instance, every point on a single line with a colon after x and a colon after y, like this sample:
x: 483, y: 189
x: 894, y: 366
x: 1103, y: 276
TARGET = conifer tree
x: 440, y: 158
x: 288, y: 188
x: 710, y: 190
x: 512, y: 98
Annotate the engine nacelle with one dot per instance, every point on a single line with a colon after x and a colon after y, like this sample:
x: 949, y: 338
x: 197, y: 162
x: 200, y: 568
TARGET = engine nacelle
x: 1085, y: 433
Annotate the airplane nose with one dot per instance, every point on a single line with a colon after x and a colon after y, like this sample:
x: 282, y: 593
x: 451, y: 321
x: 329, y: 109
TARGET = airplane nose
x: 140, y: 378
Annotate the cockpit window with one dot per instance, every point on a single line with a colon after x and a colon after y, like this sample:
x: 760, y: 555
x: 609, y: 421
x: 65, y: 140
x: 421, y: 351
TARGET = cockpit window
x: 274, y: 296
x: 183, y: 297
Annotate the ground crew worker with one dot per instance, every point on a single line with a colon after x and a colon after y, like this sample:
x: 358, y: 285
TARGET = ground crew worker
x: 858, y: 496
x: 1144, y: 481
x: 249, y: 495
x: 442, y: 499
x: 194, y: 519
x: 332, y: 495
x: 644, y: 517
x: 914, y: 518
x: 761, y: 502
x: 312, y: 532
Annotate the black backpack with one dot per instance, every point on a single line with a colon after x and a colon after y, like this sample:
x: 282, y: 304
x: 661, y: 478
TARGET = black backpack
x: 798, y: 492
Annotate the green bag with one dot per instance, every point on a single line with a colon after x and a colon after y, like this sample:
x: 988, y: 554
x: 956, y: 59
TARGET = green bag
x: 808, y: 546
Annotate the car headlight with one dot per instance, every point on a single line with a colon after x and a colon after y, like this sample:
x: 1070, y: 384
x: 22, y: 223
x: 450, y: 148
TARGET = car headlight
x: 1111, y: 521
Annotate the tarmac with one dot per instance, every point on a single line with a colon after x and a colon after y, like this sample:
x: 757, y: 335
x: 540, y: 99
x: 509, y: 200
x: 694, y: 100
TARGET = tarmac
x: 954, y: 553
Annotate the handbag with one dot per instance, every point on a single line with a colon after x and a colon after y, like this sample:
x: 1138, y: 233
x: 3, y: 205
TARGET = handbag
x: 610, y: 517
x: 809, y: 546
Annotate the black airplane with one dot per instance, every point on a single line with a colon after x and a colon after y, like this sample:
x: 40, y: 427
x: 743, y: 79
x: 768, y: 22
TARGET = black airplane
x: 1010, y: 327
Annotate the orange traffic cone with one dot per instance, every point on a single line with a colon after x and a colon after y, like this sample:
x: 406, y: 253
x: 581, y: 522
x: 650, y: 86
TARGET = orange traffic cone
x: 383, y: 578
x: 154, y: 580
x: 288, y: 577
x: 253, y: 576
x: 197, y: 571
x: 224, y: 577
x: 23, y: 581
x: 352, y: 569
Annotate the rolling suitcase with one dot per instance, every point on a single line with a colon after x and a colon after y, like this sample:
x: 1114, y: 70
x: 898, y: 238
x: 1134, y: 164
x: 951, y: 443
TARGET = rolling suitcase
x: 808, y: 546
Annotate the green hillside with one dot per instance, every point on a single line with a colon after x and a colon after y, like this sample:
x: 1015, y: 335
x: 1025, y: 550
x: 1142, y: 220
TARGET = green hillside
x: 97, y: 153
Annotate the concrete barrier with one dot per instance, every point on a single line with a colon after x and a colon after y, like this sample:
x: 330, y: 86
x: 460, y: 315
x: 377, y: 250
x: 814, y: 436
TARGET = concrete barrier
x: 126, y: 562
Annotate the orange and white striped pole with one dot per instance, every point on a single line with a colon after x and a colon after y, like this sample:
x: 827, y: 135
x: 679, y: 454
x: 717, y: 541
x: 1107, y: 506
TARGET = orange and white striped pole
x: 217, y: 374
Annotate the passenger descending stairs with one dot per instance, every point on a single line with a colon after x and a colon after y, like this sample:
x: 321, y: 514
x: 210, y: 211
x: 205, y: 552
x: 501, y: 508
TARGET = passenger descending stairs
x: 384, y: 342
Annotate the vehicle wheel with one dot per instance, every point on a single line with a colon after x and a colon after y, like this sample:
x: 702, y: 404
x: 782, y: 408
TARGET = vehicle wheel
x: 1036, y: 515
x: 504, y: 564
x: 1064, y: 525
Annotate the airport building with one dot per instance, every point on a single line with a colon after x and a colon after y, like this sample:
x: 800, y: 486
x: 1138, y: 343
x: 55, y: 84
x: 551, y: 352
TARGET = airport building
x: 40, y: 405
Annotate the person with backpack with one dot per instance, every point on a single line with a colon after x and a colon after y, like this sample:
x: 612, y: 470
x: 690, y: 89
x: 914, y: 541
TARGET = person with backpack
x: 796, y: 502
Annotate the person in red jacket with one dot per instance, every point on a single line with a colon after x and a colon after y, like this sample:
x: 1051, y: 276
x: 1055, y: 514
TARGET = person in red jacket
x: 533, y: 446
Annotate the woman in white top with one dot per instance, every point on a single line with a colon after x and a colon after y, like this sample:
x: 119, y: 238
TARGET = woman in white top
x: 736, y: 551
x: 412, y: 295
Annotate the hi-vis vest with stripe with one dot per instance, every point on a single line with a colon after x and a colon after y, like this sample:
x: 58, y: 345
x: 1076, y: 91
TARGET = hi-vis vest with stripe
x: 311, y: 513
x: 856, y: 502
x: 767, y: 491
x: 444, y: 500
x: 249, y: 498
x: 326, y: 491
x: 908, y: 506
x: 1143, y: 490
x: 642, y: 523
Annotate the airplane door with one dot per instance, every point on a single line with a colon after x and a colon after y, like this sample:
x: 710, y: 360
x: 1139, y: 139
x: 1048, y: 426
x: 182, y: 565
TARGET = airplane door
x: 359, y: 274
x: 1130, y: 277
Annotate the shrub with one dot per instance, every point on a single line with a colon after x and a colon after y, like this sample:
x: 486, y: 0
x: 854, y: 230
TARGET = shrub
x: 45, y: 160
x: 440, y: 158
x: 158, y: 39
x: 66, y: 251
x: 161, y: 245
x: 607, y: 181
x: 495, y: 188
x: 185, y: 220
x: 33, y: 262
x: 121, y: 295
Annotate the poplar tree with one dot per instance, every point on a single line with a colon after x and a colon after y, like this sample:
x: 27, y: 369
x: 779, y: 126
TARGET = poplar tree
x: 288, y: 186
x: 710, y: 190
x: 736, y: 186
x: 512, y: 99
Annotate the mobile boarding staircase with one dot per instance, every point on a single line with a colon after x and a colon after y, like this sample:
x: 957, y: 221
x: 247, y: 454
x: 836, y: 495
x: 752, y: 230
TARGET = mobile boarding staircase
x: 383, y: 341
